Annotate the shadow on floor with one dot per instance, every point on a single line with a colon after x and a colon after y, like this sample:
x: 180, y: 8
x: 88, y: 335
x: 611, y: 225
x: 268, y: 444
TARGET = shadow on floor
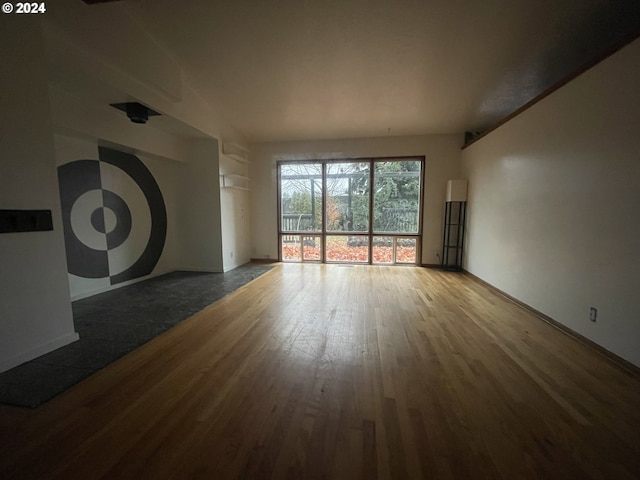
x: 113, y: 324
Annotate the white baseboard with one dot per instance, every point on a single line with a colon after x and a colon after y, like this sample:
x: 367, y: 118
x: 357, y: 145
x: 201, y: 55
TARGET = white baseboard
x: 196, y: 270
x: 9, y: 363
x: 109, y: 288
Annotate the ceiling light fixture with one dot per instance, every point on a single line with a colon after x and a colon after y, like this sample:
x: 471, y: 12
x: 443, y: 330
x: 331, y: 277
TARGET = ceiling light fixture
x: 136, y: 112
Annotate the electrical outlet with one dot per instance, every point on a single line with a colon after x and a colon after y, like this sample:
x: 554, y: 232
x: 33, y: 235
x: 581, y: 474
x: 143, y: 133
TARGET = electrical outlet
x: 593, y: 314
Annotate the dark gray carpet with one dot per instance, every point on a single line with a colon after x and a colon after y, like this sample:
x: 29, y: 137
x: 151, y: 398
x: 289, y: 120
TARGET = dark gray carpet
x: 114, y: 323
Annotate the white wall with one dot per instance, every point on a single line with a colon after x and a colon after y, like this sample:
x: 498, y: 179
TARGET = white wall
x: 442, y: 154
x: 85, y: 59
x: 167, y: 173
x: 200, y: 219
x: 553, y: 204
x: 68, y: 149
x: 35, y: 309
x: 187, y: 175
x: 234, y: 209
x: 61, y: 74
x: 86, y: 118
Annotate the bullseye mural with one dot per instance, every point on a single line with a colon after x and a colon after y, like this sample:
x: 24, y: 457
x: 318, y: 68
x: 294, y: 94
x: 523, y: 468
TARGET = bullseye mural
x: 114, y: 217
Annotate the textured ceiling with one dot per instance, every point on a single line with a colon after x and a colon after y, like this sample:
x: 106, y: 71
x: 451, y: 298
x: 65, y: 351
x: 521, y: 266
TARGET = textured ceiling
x: 313, y: 69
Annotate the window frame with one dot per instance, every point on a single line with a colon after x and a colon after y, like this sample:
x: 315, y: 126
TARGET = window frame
x: 323, y: 233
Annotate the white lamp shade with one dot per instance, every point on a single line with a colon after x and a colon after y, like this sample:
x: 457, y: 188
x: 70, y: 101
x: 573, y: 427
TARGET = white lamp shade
x: 456, y: 191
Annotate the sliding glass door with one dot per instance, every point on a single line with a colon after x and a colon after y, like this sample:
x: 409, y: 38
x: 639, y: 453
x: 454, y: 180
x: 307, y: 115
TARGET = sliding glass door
x: 347, y: 211
x: 301, y: 206
x: 329, y: 212
x: 397, y: 211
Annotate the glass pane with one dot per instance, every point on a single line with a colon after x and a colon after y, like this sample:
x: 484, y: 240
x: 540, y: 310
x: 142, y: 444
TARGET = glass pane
x: 347, y: 197
x: 348, y: 248
x: 291, y: 248
x: 312, y: 249
x: 382, y: 249
x: 301, y: 197
x: 396, y: 196
x: 406, y: 251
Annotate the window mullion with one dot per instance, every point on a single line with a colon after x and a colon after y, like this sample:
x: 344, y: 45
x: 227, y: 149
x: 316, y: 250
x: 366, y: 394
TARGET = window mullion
x: 324, y: 212
x: 371, y: 189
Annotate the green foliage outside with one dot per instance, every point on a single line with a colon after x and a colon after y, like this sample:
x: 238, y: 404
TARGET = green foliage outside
x: 396, y: 198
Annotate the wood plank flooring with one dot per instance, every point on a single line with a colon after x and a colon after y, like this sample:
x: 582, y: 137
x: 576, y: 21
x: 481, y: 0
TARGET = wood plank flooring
x: 338, y: 372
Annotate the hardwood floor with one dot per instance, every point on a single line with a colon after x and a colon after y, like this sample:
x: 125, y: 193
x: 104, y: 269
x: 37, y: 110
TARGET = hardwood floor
x: 328, y: 371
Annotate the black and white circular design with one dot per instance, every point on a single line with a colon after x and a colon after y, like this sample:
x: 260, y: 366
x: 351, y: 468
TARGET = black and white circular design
x: 114, y: 217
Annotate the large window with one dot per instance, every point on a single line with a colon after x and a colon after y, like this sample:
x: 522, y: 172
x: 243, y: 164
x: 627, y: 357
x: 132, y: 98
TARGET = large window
x: 354, y: 211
